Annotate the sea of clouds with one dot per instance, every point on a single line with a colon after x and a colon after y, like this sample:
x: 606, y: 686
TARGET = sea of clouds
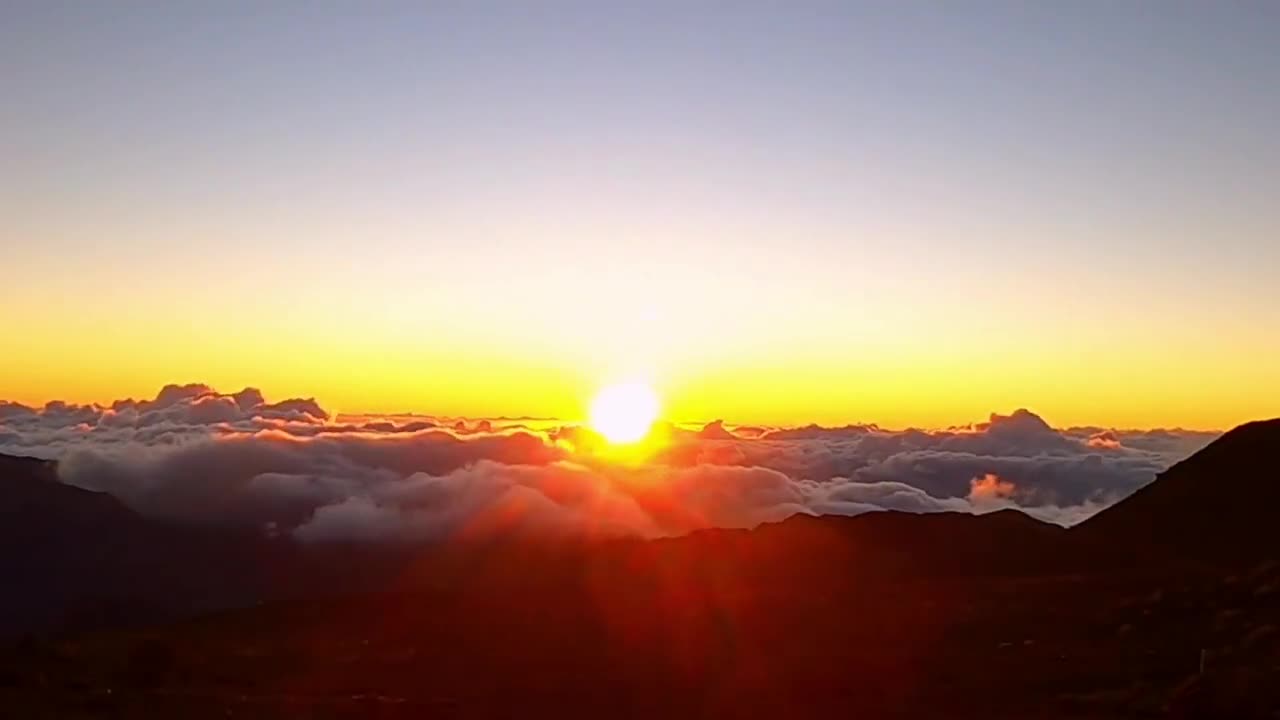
x: 195, y: 455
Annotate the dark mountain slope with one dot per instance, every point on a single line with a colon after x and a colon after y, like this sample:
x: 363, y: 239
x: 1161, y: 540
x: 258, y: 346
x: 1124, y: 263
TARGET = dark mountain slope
x: 75, y: 557
x: 883, y: 615
x: 36, y: 507
x: 1219, y: 507
x: 71, y: 557
x: 795, y: 619
x: 937, y: 545
x: 61, y: 548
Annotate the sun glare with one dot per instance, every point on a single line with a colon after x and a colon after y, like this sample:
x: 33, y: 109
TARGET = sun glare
x: 625, y: 412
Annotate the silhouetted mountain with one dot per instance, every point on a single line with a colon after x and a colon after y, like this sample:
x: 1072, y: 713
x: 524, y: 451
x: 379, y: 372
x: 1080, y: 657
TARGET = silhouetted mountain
x: 36, y: 507
x: 79, y: 558
x: 60, y: 546
x: 72, y: 558
x: 1217, y: 507
x: 881, y: 615
x: 936, y: 545
x: 75, y: 559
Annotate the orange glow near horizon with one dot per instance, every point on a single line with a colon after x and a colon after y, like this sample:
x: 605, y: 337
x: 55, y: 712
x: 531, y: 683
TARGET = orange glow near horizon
x: 776, y: 371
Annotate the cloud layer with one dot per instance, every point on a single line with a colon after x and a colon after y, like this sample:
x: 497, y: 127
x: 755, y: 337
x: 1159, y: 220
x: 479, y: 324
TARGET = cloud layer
x: 195, y: 455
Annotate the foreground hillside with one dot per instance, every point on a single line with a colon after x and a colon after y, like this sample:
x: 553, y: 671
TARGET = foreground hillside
x: 1217, y: 507
x: 669, y: 640
x: 882, y: 615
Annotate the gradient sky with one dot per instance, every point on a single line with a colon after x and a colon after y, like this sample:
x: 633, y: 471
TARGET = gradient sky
x: 783, y: 212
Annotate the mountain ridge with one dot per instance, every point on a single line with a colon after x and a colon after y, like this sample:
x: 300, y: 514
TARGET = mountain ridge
x: 1216, y: 507
x: 883, y: 615
x: 69, y: 547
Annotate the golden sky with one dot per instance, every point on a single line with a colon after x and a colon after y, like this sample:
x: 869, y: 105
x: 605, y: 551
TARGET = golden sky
x: 891, y: 361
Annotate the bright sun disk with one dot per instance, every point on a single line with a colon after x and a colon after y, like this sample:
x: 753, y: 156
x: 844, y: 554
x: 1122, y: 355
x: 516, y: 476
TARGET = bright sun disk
x: 625, y: 412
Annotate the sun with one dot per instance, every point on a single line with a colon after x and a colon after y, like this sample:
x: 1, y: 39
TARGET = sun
x: 625, y: 412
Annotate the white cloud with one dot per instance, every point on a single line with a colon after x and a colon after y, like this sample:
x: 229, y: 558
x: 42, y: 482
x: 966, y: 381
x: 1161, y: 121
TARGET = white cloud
x: 196, y: 455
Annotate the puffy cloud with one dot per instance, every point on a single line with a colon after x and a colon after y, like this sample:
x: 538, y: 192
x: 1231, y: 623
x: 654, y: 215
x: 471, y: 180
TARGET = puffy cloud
x: 14, y: 410
x: 561, y: 498
x: 177, y: 414
x: 248, y: 479
x: 989, y: 488
x: 846, y: 497
x: 1048, y: 466
x: 1040, y: 479
x: 817, y: 432
x: 1175, y: 443
x: 1104, y: 440
x: 991, y: 492
x: 194, y: 454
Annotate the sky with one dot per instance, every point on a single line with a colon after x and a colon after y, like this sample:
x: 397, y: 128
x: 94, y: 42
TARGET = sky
x: 912, y: 214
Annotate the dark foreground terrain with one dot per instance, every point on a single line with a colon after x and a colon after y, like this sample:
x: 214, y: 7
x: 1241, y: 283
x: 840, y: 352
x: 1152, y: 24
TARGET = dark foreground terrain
x: 1166, y: 605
